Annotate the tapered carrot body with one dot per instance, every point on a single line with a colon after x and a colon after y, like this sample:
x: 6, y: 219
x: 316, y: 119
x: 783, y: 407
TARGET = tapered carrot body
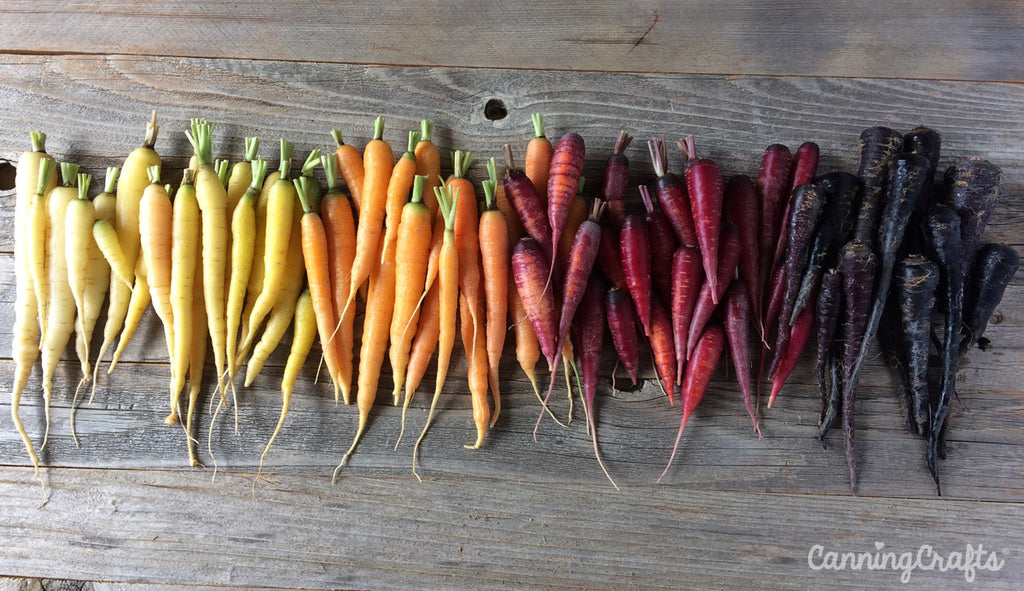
x: 155, y: 223
x: 878, y: 146
x: 424, y: 343
x: 589, y: 330
x: 527, y: 203
x: 351, y: 168
x: 698, y: 377
x: 530, y: 272
x: 704, y: 183
x: 917, y: 280
x: 581, y: 263
x: 137, y: 305
x: 728, y: 259
x: 663, y: 246
x: 803, y: 166
x: 635, y: 246
x: 339, y: 226
x: 609, y: 259
x: 772, y: 185
x: 78, y: 220
x: 619, y: 308
x: 398, y: 193
x: 738, y: 317
x: 563, y: 183
x: 494, y: 261
x: 538, y: 159
x: 741, y: 208
x: 662, y: 349
x: 828, y: 311
x: 972, y: 188
x: 411, y: 256
x: 474, y: 343
x: 185, y: 227
x: 428, y: 164
x: 799, y: 334
x: 197, y: 360
x: 687, y: 278
x: 577, y: 214
x: 615, y: 181
x: 99, y: 275
x: 672, y: 195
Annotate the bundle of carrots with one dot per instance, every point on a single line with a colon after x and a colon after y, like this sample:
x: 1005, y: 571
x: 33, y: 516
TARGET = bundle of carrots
x: 234, y: 257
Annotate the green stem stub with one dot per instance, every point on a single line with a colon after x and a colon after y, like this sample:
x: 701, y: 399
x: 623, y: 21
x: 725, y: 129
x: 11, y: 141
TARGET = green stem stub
x: 447, y: 204
x: 259, y: 172
x: 336, y: 134
x: 38, y: 141
x: 300, y: 189
x: 311, y: 162
x: 223, y: 168
x: 489, y: 188
x: 410, y: 150
x: 201, y: 138
x: 188, y: 177
x: 330, y: 164
x: 110, y: 180
x: 84, y: 180
x: 426, y: 130
x: 460, y: 163
x: 285, y: 167
x: 152, y: 129
x: 69, y: 173
x: 538, y: 124
x: 153, y: 172
x: 419, y: 182
x: 378, y: 127
x: 46, y: 168
x: 579, y: 188
x: 252, y: 145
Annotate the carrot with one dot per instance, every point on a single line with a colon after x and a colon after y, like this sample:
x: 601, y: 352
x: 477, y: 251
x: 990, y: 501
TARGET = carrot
x: 197, y: 359
x: 98, y: 277
x: 527, y: 202
x: 306, y: 324
x: 211, y: 195
x: 242, y: 173
x: 704, y: 183
x: 772, y: 185
x: 704, y: 307
x: 413, y: 250
x: 917, y: 279
x: 616, y: 179
x: 994, y: 266
x: 672, y: 195
x: 399, y: 185
x: 25, y: 348
x: 741, y: 208
x: 377, y: 162
x: 563, y: 184
x: 340, y: 228
x: 314, y: 192
x: 314, y: 254
x: 448, y: 296
x: 609, y: 259
x: 972, y: 188
x: 928, y: 143
x: 155, y: 220
x: 428, y: 164
x: 619, y: 309
x: 473, y: 342
x: 494, y: 259
x: 138, y: 303
x: 78, y: 219
x: 243, y: 239
x: 698, y: 376
x: 737, y: 329
x: 577, y: 214
x: 530, y: 272
x: 538, y: 159
x: 662, y: 349
x: 350, y: 165
x: 803, y: 167
x: 799, y: 334
x: 423, y: 345
x: 60, y: 321
x: 281, y: 206
x: 589, y: 330
x: 663, y: 246
x: 635, y: 247
x: 878, y: 146
x: 105, y: 235
x: 827, y: 312
x: 38, y: 234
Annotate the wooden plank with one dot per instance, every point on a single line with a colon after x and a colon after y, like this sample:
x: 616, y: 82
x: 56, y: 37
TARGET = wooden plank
x: 947, y: 39
x: 301, y: 532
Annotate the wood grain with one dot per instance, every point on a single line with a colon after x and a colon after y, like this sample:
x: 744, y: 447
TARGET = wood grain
x: 300, y: 532
x: 943, y: 39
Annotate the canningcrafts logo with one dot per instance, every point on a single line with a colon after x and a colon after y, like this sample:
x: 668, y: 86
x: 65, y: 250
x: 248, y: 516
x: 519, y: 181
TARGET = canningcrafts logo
x: 967, y: 560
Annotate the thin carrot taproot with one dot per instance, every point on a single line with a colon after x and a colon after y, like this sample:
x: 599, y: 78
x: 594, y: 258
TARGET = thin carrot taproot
x: 99, y: 274
x: 339, y: 225
x: 351, y: 168
x: 473, y: 342
x: 197, y: 360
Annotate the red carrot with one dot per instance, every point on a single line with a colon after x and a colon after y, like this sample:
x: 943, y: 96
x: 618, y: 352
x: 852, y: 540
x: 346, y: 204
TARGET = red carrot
x: 663, y: 246
x: 635, y: 246
x: 799, y: 334
x: 619, y: 309
x: 698, y: 376
x: 589, y: 330
x: 662, y: 348
x: 580, y: 264
x: 529, y: 208
x: 802, y: 170
x: 704, y: 182
x: 737, y: 329
x: 530, y: 272
x: 741, y: 209
x: 709, y: 294
x: 616, y: 178
x: 563, y: 183
x: 609, y: 261
x: 671, y: 192
x: 772, y: 182
x: 687, y: 277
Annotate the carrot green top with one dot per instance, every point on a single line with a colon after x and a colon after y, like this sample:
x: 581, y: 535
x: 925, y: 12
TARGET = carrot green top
x: 153, y: 172
x: 252, y: 144
x: 330, y: 164
x: 426, y: 130
x: 447, y: 204
x: 538, y: 124
x: 259, y: 172
x: 378, y: 127
x: 151, y: 130
x: 201, y: 137
x: 300, y: 189
x: 223, y: 169
x: 111, y: 179
x: 460, y: 163
x: 46, y: 167
x: 311, y: 162
x: 38, y: 141
x: 419, y: 182
x: 285, y: 166
x: 410, y: 150
x: 69, y: 172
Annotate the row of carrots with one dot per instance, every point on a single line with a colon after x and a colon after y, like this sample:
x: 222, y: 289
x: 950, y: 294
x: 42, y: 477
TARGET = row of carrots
x: 233, y: 249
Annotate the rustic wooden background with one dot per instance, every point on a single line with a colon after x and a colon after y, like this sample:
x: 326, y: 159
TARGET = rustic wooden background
x: 735, y: 511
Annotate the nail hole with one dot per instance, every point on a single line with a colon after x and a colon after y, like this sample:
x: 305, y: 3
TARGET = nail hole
x: 495, y: 110
x: 7, y: 174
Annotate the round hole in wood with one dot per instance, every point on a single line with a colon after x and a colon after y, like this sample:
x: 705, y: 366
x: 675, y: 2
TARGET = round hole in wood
x: 7, y: 172
x: 495, y: 110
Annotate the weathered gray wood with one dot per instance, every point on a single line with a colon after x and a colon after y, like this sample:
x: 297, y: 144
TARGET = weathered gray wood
x: 947, y: 39
x: 380, y: 533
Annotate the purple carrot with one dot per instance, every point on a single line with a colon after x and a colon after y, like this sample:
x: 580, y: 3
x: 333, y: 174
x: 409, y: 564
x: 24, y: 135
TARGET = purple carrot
x: 609, y: 259
x: 741, y: 209
x: 616, y: 179
x: 917, y: 279
x: 772, y: 185
x: 563, y: 184
x: 635, y: 246
x: 663, y: 246
x: 878, y: 147
x: 527, y: 203
x: 994, y: 266
x: 705, y: 306
x: 580, y: 264
x: 737, y: 329
x: 620, y: 311
x: 687, y: 277
x: 530, y: 271
x: 802, y: 168
x: 704, y: 184
x: 672, y: 195
x: 972, y: 188
x: 828, y: 310
x: 589, y: 331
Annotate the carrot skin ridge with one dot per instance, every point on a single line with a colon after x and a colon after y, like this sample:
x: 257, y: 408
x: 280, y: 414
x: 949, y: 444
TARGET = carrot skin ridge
x: 687, y: 278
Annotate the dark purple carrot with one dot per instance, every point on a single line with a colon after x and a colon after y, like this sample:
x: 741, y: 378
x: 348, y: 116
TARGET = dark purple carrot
x: 802, y: 169
x: 823, y: 253
x: 530, y: 270
x: 709, y: 293
x: 804, y: 216
x: 892, y: 345
x: 799, y: 334
x: 944, y: 236
x: 972, y: 188
x: 917, y: 278
x: 737, y: 329
x: 741, y: 209
x: 529, y: 207
x: 620, y: 311
x: 616, y: 179
x: 609, y: 259
x: 662, y: 349
x: 635, y: 246
x: 589, y: 331
x: 663, y: 246
x: 827, y: 311
x: 928, y: 143
x: 857, y: 265
x: 772, y: 193
x: 672, y: 195
x: 687, y: 277
x: 704, y: 184
x: 563, y: 183
x: 994, y: 267
x: 878, y: 146
x: 698, y: 376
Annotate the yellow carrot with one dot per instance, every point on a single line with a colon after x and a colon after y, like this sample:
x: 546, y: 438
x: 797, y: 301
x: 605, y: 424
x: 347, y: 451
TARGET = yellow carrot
x: 185, y: 225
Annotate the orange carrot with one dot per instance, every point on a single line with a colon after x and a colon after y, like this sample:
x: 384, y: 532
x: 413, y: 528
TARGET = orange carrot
x: 494, y: 258
x: 577, y: 215
x: 538, y: 158
x: 350, y: 165
x: 467, y: 228
x: 340, y: 228
x: 428, y: 164
x: 476, y: 356
x: 398, y: 193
